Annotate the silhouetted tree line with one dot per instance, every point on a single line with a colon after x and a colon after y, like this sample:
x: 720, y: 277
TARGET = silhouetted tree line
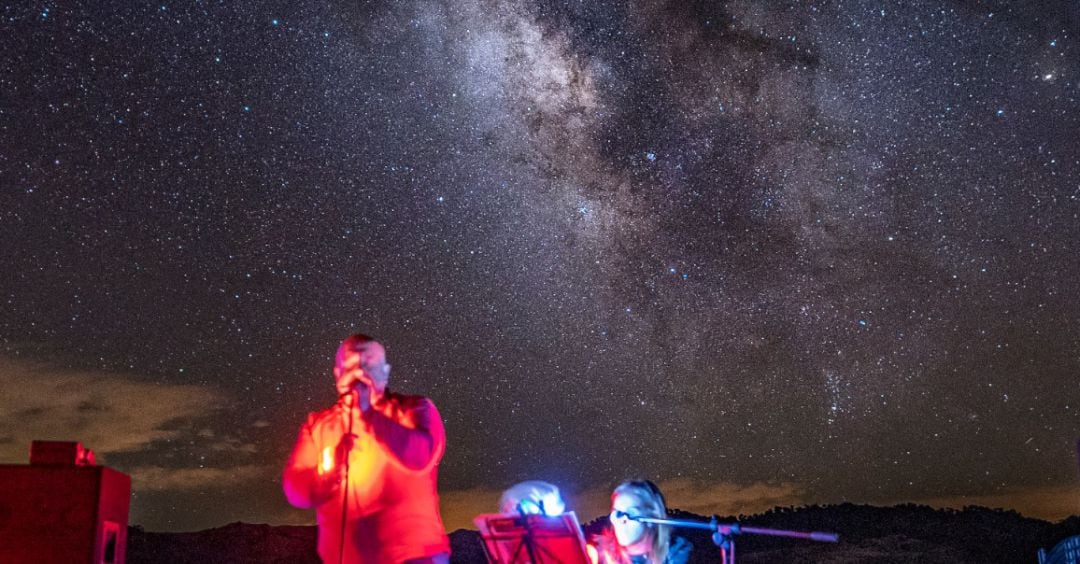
x: 900, y: 534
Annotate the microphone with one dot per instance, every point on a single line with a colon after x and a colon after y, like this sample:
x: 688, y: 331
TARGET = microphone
x: 349, y: 395
x: 358, y: 378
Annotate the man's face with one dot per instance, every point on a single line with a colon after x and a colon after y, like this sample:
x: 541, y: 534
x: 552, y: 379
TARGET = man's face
x: 630, y: 534
x: 365, y: 363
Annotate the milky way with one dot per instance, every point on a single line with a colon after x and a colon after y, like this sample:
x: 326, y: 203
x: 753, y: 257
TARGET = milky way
x: 763, y: 252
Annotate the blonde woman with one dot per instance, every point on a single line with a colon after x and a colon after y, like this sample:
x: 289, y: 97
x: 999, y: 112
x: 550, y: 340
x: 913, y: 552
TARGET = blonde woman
x: 632, y: 542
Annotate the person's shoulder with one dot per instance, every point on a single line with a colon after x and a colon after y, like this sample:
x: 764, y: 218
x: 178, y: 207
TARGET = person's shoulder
x: 316, y: 418
x: 409, y: 402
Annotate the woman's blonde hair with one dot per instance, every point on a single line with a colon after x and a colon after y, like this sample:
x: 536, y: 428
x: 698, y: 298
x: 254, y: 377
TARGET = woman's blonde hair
x: 653, y: 506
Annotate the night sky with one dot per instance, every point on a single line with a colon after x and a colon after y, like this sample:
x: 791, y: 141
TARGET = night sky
x: 763, y: 253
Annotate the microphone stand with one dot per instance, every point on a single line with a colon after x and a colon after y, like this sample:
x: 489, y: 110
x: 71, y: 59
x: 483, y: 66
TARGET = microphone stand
x: 345, y: 488
x: 724, y: 533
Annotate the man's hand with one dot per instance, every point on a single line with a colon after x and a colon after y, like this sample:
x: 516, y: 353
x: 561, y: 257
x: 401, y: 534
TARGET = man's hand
x: 360, y: 382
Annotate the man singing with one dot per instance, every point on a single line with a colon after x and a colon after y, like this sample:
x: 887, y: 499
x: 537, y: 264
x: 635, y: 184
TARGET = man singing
x: 378, y: 452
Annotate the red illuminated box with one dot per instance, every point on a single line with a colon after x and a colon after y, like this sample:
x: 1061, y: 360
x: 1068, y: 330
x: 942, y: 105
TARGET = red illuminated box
x: 61, y: 510
x: 60, y: 453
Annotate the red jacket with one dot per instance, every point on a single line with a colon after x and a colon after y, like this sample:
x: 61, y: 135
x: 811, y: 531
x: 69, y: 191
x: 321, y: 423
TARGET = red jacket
x: 393, y: 507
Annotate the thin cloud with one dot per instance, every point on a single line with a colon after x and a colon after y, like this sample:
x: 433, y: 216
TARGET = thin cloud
x: 459, y: 507
x: 106, y: 412
x: 727, y: 498
x: 1052, y: 503
x: 156, y: 478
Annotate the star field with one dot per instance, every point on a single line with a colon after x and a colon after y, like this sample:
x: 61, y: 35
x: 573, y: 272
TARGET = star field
x: 824, y: 251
